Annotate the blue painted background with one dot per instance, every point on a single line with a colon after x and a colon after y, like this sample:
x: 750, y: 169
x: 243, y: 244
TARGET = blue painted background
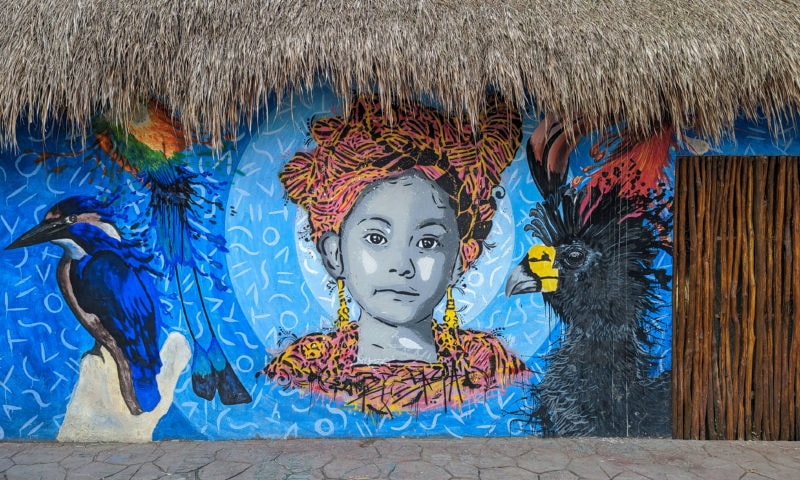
x: 273, y: 284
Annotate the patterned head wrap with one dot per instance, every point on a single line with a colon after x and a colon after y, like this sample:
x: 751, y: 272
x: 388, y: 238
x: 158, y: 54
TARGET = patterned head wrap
x: 371, y: 145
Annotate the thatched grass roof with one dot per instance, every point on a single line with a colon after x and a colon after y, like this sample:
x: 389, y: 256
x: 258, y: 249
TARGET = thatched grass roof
x: 678, y: 62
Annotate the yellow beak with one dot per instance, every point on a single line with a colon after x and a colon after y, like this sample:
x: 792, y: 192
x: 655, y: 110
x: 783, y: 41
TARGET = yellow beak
x: 535, y: 273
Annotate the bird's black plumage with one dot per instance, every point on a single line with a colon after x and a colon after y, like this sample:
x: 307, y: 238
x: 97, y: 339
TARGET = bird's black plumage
x: 598, y: 375
x: 598, y: 379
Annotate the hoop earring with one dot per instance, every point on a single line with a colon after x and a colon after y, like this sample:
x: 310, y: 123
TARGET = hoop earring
x: 450, y: 316
x: 344, y: 312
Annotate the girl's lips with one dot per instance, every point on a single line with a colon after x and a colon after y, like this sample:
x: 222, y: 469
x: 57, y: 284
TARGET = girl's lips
x: 397, y: 292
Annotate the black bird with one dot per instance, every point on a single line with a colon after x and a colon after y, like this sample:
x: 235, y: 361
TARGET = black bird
x: 595, y: 271
x: 105, y: 281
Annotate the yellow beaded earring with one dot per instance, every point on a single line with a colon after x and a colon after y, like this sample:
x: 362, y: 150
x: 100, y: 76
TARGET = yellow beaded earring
x: 344, y: 312
x: 448, y: 344
x: 450, y: 315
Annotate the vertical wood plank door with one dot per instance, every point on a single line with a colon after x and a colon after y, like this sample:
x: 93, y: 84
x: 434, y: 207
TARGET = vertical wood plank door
x: 736, y: 288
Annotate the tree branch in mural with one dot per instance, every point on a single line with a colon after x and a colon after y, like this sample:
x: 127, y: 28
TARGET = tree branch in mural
x: 97, y: 413
x: 105, y: 282
x: 595, y: 270
x: 398, y: 210
x: 151, y: 148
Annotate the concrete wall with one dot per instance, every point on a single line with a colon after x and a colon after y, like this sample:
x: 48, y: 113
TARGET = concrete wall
x: 210, y: 309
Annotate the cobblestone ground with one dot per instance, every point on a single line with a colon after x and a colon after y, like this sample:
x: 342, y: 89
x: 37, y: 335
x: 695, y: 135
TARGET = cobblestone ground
x: 405, y: 459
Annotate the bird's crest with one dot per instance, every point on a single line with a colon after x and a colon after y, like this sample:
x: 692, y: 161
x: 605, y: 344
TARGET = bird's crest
x: 568, y: 211
x: 79, y: 204
x: 548, y: 151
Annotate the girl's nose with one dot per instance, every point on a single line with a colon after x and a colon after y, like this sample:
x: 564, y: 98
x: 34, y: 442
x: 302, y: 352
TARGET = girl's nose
x: 402, y: 265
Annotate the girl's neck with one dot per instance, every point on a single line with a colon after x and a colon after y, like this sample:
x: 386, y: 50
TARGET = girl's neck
x: 379, y: 342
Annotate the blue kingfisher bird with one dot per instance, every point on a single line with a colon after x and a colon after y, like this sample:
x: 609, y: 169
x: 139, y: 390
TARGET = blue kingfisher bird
x: 107, y: 284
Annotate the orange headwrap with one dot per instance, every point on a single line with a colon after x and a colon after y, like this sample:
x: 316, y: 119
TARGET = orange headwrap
x: 353, y: 152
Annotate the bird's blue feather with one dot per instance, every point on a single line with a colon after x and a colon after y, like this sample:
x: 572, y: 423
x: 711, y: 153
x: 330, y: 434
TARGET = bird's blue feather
x: 122, y: 296
x: 215, y: 355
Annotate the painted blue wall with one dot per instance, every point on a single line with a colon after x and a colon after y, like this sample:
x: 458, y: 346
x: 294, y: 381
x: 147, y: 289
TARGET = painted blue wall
x: 260, y: 283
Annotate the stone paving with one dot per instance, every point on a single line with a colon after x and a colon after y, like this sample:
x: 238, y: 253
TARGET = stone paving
x: 404, y: 459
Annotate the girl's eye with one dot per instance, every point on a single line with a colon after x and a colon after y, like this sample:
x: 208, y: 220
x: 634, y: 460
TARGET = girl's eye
x: 375, y: 238
x: 428, y: 243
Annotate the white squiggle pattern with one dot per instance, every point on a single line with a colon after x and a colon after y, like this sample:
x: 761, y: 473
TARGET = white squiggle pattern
x: 298, y: 296
x: 276, y: 281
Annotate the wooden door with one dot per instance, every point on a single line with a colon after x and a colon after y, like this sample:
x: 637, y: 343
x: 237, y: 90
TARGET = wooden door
x: 736, y: 288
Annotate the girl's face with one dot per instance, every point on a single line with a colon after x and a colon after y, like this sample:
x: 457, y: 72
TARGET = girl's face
x: 399, y: 246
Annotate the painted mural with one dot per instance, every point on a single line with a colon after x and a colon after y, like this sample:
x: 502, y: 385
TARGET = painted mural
x: 595, y: 267
x: 380, y: 271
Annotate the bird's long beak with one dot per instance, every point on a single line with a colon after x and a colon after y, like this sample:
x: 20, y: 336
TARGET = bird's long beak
x: 535, y: 273
x: 45, y: 231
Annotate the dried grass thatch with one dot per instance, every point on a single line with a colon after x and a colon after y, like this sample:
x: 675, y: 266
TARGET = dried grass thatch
x: 678, y: 62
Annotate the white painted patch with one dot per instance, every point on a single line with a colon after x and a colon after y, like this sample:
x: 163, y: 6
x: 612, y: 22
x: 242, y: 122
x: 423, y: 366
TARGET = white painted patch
x: 425, y: 267
x: 369, y: 262
x: 96, y: 411
x: 110, y: 230
x: 94, y: 219
x: 73, y: 249
x: 406, y: 342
